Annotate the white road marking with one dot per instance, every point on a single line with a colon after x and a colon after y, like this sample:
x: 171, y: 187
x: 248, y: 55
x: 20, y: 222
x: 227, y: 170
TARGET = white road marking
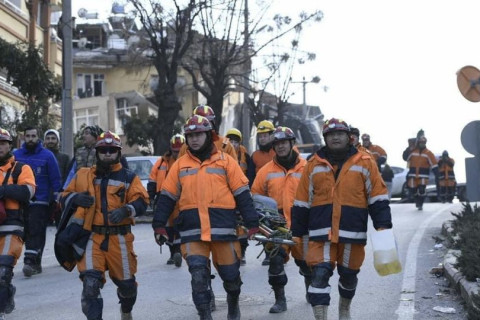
x: 406, y: 307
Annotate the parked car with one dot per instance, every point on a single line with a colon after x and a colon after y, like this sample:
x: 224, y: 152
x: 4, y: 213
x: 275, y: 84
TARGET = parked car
x: 399, y: 182
x: 142, y: 165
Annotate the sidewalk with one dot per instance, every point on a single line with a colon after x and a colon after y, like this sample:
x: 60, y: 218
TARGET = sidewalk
x: 466, y: 288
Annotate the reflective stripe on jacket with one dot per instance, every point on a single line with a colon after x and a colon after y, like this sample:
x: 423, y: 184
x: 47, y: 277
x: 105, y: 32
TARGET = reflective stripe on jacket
x: 274, y: 181
x: 206, y: 193
x: 445, y: 171
x: 14, y: 222
x: 420, y: 161
x: 377, y: 152
x: 119, y: 193
x: 336, y: 209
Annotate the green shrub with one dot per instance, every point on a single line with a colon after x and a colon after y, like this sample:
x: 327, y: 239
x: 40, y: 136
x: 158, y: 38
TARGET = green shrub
x: 466, y: 228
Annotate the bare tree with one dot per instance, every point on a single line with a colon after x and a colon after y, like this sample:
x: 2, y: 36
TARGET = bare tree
x: 220, y: 58
x: 170, y: 34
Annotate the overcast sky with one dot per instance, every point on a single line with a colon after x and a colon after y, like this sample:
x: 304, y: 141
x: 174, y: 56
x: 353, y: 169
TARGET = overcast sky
x: 390, y: 68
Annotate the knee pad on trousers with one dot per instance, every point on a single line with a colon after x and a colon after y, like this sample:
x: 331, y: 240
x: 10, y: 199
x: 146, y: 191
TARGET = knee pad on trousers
x: 348, y: 278
x: 92, y: 283
x: 276, y: 265
x: 126, y: 288
x: 304, y: 270
x: 320, y: 276
x: 200, y: 278
x: 233, y: 287
x: 6, y: 275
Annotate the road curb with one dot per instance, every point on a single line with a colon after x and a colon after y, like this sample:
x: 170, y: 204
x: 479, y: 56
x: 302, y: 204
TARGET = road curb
x: 467, y: 289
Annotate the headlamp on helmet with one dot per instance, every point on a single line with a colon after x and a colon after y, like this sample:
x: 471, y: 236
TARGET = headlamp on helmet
x: 176, y: 142
x: 283, y: 133
x: 197, y: 124
x: 108, y: 139
x: 335, y: 125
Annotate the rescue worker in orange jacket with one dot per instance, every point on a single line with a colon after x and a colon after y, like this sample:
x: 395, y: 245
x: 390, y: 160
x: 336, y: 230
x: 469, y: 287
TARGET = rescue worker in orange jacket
x: 12, y: 194
x: 378, y: 153
x: 446, y: 178
x: 265, y: 152
x: 420, y: 162
x: 209, y: 186
x: 279, y: 179
x: 105, y: 199
x: 221, y: 143
x: 340, y: 186
x: 245, y: 162
x: 157, y: 176
x: 355, y: 136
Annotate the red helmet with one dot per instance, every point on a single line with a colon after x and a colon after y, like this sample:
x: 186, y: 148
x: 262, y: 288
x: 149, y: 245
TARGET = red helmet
x: 335, y: 124
x: 176, y: 142
x: 108, y: 139
x: 197, y: 124
x: 5, y: 135
x: 204, y: 111
x: 283, y: 133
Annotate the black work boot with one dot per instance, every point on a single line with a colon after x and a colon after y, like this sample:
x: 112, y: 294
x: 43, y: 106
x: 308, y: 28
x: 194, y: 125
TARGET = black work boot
x: 11, y: 300
x: 233, y: 307
x: 280, y: 300
x: 204, y: 312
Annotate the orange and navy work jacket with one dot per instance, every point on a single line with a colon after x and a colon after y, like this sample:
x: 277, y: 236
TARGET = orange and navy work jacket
x: 118, y: 190
x: 446, y: 176
x: 261, y: 158
x: 242, y: 159
x: 377, y: 152
x: 420, y: 161
x: 207, y: 194
x: 158, y: 174
x: 222, y: 143
x: 333, y: 204
x: 13, y: 223
x: 275, y: 181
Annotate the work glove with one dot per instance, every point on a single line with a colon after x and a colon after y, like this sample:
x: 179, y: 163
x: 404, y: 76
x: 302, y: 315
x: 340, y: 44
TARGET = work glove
x: 84, y: 200
x: 117, y: 215
x: 160, y: 235
x: 252, y: 232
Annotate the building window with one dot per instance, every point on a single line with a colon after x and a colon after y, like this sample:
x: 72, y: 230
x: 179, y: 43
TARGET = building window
x: 90, y: 85
x: 123, y: 113
x: 16, y: 3
x: 88, y: 117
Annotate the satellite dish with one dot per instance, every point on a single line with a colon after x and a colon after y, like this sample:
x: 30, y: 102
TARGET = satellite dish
x: 468, y: 81
x: 82, y: 12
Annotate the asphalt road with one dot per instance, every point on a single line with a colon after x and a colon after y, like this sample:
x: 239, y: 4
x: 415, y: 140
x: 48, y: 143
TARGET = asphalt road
x: 164, y: 291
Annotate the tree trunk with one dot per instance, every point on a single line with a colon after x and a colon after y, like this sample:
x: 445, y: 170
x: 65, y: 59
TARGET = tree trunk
x: 168, y: 108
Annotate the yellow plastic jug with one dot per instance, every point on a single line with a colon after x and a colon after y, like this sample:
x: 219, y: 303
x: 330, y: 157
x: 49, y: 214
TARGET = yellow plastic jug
x: 385, y: 253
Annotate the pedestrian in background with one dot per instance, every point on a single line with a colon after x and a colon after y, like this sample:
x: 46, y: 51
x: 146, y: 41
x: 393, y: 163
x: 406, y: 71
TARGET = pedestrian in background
x: 49, y: 183
x: 387, y: 176
x: 17, y: 187
x: 378, y: 152
x: 446, y: 178
x: 157, y: 176
x: 104, y: 199
x: 420, y: 161
x: 339, y: 187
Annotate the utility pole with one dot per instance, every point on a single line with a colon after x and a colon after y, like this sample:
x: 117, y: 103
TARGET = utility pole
x: 246, y: 82
x: 67, y: 61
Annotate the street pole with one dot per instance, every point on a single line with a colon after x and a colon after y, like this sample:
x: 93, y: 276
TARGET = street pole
x: 67, y: 114
x: 246, y: 83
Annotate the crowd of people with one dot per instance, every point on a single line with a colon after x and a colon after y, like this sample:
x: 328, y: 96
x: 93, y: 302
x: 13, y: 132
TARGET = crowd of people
x: 202, y: 191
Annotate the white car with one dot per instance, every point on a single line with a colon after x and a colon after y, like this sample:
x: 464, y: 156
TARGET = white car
x: 399, y: 182
x: 142, y: 165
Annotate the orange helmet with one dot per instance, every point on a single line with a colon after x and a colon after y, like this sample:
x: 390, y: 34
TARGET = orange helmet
x: 335, y: 125
x: 176, y: 142
x: 204, y: 111
x: 5, y: 135
x: 197, y: 124
x: 283, y: 133
x: 108, y: 139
